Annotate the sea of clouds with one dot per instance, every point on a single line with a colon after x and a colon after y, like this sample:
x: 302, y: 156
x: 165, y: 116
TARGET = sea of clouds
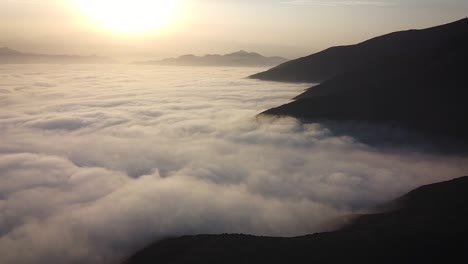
x: 98, y: 161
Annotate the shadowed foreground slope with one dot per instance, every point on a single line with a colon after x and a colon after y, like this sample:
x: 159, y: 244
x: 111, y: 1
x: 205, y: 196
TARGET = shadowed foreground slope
x: 428, y: 225
x: 426, y: 91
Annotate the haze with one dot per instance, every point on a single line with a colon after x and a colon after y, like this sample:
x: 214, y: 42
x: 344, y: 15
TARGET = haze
x: 271, y: 27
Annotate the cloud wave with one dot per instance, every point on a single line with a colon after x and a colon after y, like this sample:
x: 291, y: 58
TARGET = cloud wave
x: 110, y: 158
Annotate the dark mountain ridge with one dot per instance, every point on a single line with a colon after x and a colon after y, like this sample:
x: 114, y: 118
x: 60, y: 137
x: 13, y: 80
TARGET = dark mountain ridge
x: 10, y: 56
x: 425, y: 90
x: 238, y: 59
x: 331, y: 62
x: 427, y: 225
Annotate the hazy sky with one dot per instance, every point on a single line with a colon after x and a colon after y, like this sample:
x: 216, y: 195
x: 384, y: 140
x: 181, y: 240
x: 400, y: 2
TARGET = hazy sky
x: 273, y: 27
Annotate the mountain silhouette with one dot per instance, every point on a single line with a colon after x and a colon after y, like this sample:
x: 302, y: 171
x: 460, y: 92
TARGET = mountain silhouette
x: 10, y: 56
x: 331, y: 62
x: 8, y: 51
x: 236, y: 59
x: 424, y: 90
x: 427, y: 225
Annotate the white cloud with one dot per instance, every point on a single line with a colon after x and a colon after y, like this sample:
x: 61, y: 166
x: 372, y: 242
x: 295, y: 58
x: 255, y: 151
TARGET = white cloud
x: 110, y: 158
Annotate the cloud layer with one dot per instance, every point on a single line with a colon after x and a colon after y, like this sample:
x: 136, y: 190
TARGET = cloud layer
x: 95, y: 162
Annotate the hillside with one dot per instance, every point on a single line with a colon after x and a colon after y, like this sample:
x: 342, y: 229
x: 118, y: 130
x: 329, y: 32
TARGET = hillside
x: 331, y: 62
x: 427, y: 225
x: 425, y: 91
x: 10, y: 56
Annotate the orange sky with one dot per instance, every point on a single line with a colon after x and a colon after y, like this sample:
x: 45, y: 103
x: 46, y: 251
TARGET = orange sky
x: 271, y: 27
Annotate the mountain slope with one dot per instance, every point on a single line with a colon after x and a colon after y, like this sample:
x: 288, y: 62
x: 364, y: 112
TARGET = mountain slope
x: 425, y: 91
x: 10, y: 56
x: 331, y: 62
x: 240, y: 58
x: 7, y: 51
x: 428, y: 226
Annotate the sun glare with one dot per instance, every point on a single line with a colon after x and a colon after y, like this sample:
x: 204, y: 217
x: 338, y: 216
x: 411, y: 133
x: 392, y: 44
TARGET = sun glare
x: 129, y: 16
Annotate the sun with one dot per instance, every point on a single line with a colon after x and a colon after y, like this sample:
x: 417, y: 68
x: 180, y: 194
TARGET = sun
x: 129, y: 16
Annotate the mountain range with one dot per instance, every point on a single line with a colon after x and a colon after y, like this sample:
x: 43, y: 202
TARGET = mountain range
x: 11, y: 56
x: 236, y: 59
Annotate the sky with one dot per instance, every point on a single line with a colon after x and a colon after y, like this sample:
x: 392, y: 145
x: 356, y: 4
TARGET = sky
x: 289, y: 28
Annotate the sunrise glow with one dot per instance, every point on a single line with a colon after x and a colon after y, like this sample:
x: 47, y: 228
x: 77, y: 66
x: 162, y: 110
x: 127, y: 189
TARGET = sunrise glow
x: 129, y: 16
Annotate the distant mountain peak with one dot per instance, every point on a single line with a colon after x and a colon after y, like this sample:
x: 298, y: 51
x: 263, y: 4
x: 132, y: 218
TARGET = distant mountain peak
x: 6, y: 50
x: 187, y: 56
x: 239, y: 58
x: 244, y: 53
x: 11, y: 56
